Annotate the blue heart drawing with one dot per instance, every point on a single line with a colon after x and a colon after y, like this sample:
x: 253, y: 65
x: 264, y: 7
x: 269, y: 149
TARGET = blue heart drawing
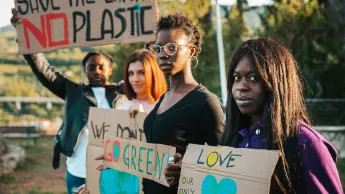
x: 118, y: 182
x: 225, y: 186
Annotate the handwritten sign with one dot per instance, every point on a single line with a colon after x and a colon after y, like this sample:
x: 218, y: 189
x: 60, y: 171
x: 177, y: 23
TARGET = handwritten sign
x: 104, y: 123
x: 214, y: 170
x: 135, y: 157
x: 53, y: 24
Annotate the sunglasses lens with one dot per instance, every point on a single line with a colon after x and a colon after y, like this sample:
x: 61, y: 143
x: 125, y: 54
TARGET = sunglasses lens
x: 170, y: 48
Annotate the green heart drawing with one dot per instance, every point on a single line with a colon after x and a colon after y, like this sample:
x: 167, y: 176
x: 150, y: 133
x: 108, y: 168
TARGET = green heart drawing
x: 225, y: 186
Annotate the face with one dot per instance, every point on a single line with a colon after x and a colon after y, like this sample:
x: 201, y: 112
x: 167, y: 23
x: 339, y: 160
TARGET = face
x: 248, y: 89
x: 136, y: 77
x: 172, y: 64
x: 98, y: 70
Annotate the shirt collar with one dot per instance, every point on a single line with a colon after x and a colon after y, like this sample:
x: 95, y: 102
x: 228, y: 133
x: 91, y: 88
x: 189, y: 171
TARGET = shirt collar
x: 244, y: 132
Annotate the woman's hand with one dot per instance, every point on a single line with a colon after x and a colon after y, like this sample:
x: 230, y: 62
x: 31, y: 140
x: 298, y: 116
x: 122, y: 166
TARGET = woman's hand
x: 173, y: 171
x: 134, y: 109
x: 100, y: 167
x: 15, y: 20
x: 82, y: 190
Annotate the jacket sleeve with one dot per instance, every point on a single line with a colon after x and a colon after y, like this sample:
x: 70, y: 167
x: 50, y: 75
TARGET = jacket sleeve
x: 320, y: 170
x: 51, y: 79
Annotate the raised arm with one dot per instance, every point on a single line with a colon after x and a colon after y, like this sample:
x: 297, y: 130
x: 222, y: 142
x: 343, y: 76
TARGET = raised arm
x: 51, y: 79
x: 45, y: 73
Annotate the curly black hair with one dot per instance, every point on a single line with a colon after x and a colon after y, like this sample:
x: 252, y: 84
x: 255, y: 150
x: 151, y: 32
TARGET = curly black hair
x: 91, y: 54
x: 181, y: 22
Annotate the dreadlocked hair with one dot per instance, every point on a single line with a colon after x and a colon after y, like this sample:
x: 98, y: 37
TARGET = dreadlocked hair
x: 184, y: 24
x: 284, y: 107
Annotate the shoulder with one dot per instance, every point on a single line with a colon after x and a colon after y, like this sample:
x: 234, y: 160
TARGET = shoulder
x: 310, y: 140
x: 307, y: 135
x: 205, y: 96
x: 210, y: 103
x: 122, y: 102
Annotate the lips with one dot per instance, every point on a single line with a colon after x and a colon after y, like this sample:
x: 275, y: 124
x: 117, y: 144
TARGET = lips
x: 137, y: 86
x: 165, y: 66
x: 243, y: 101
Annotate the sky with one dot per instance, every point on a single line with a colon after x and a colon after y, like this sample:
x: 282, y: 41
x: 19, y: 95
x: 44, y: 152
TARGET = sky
x: 6, y: 5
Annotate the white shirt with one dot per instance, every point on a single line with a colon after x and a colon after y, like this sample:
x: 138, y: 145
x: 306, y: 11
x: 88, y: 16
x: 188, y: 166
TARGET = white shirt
x: 76, y: 164
x: 144, y: 105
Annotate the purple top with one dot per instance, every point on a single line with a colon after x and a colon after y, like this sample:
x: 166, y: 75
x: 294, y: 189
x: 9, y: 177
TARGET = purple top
x: 318, y: 157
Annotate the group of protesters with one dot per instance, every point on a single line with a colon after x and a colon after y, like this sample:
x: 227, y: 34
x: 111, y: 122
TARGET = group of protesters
x: 265, y: 107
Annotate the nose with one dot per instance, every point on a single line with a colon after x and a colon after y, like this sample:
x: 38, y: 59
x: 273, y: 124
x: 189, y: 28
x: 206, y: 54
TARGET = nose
x: 136, y: 77
x: 97, y: 71
x: 163, y: 54
x: 242, y: 85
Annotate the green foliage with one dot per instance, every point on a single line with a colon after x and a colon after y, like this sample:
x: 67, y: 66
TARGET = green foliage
x: 6, y: 178
x: 308, y: 30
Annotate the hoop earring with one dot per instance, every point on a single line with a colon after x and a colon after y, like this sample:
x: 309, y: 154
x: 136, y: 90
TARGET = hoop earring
x: 197, y: 61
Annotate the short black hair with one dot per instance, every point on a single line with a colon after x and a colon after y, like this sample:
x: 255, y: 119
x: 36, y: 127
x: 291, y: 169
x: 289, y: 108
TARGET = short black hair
x: 94, y: 53
x: 181, y: 22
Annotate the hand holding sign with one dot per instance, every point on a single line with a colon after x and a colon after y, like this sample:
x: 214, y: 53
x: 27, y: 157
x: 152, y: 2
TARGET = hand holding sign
x: 15, y: 20
x: 173, y: 170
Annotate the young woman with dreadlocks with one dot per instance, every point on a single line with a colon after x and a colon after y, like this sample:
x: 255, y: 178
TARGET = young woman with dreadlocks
x: 266, y: 110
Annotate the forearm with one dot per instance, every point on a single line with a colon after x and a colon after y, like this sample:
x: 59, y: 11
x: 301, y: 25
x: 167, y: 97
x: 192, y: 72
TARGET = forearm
x: 46, y: 74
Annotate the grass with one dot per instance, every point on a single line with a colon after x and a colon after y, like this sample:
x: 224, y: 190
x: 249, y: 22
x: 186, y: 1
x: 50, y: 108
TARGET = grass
x: 35, y: 176
x: 6, y: 178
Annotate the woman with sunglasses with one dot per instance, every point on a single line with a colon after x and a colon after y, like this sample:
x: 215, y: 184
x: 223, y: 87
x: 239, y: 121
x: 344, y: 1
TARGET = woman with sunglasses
x: 188, y: 112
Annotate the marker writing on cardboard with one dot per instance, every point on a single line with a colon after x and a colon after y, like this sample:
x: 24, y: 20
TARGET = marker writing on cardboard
x: 213, y: 158
x: 133, y: 157
x: 38, y: 6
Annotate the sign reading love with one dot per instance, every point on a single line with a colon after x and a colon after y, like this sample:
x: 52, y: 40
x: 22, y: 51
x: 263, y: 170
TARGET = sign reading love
x: 220, y: 170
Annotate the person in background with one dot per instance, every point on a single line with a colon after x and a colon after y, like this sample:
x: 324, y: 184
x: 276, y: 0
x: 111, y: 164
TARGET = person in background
x: 188, y: 112
x: 266, y: 110
x: 72, y: 137
x: 144, y: 84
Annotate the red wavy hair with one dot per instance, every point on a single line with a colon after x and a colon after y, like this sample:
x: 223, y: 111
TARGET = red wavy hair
x: 155, y: 80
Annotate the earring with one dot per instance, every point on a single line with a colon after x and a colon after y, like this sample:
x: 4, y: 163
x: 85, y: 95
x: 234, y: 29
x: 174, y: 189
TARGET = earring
x: 197, y: 61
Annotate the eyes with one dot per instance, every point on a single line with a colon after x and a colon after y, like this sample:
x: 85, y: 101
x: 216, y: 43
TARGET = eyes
x: 131, y: 73
x: 253, y: 78
x: 94, y: 67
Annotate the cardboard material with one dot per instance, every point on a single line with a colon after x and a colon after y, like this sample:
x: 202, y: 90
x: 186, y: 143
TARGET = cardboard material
x: 213, y: 170
x: 53, y: 24
x: 139, y: 158
x: 104, y: 123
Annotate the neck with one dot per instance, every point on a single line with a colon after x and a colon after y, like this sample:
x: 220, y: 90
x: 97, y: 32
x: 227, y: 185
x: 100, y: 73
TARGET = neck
x: 142, y: 97
x: 255, y: 119
x: 182, y: 80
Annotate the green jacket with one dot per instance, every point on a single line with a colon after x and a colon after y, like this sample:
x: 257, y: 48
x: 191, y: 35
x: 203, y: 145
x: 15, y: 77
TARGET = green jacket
x: 78, y: 99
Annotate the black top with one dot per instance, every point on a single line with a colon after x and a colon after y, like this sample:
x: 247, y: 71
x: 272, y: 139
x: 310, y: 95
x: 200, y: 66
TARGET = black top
x: 197, y: 118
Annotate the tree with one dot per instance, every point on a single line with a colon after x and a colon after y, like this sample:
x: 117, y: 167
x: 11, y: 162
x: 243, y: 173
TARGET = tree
x: 308, y: 30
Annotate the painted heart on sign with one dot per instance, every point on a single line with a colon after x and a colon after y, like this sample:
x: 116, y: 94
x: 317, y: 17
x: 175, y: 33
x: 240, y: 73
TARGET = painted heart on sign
x: 225, y: 186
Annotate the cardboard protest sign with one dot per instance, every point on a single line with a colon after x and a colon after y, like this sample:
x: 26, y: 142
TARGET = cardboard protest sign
x: 52, y: 24
x: 105, y: 123
x: 135, y: 157
x: 215, y: 170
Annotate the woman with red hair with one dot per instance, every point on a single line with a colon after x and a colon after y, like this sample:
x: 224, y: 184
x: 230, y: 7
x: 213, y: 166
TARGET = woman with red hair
x: 144, y: 82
